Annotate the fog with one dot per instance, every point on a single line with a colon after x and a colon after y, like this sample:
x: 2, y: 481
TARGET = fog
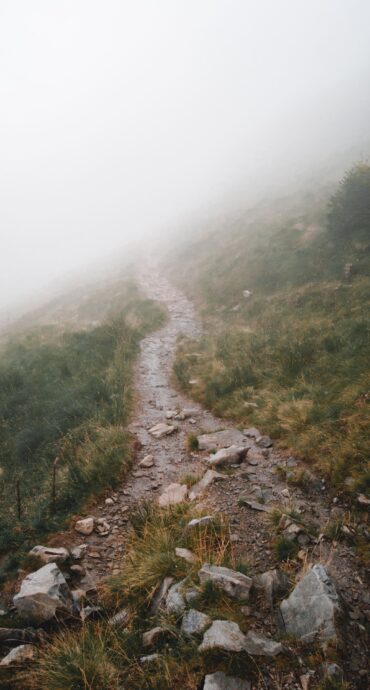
x: 121, y: 118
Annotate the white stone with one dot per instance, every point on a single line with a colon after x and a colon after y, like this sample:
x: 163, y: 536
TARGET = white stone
x: 195, y: 622
x: 161, y: 429
x: 221, y: 439
x: 174, y: 493
x: 85, y: 526
x: 186, y: 554
x: 220, y: 681
x: 42, y: 594
x: 200, y: 522
x: 148, y: 461
x: 19, y: 655
x: 235, y: 584
x: 227, y: 456
x: 48, y: 554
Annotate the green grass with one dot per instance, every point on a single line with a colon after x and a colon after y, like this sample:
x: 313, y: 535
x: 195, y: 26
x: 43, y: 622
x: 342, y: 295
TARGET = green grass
x: 293, y: 360
x: 65, y: 398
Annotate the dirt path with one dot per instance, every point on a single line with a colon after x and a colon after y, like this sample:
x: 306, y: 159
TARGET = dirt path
x: 255, y: 480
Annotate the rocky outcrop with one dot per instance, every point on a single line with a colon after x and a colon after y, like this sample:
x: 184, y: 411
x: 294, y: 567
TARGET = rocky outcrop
x: 235, y: 584
x: 42, y: 594
x: 312, y: 607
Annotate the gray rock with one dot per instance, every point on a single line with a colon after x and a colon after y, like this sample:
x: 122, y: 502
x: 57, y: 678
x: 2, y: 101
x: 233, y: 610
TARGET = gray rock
x: 228, y: 456
x: 264, y: 442
x: 221, y: 439
x: 219, y: 681
x: 186, y: 555
x: 253, y: 505
x: 257, y: 645
x: 119, y: 619
x: 235, y: 584
x: 194, y: 622
x: 252, y: 432
x: 312, y: 607
x: 162, y: 429
x: 148, y: 461
x: 209, y: 477
x: 174, y: 493
x: 191, y: 596
x: 49, y: 554
x: 160, y: 596
x: 224, y: 635
x: 200, y: 522
x: 19, y: 655
x: 152, y: 636
x: 272, y: 582
x: 85, y: 526
x: 42, y: 594
x: 175, y: 602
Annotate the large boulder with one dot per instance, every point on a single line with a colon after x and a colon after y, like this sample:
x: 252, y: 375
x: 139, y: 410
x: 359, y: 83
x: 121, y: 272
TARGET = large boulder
x: 49, y: 554
x: 235, y: 584
x: 42, y: 594
x: 208, y: 478
x: 228, y: 456
x: 174, y: 493
x: 312, y: 607
x: 222, y: 439
x: 220, y: 681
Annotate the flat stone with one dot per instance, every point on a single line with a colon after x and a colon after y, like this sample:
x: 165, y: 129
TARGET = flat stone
x: 209, y: 477
x: 235, y: 584
x: 228, y: 456
x: 42, y: 594
x: 224, y: 635
x: 186, y: 554
x: 85, y: 526
x: 255, y: 506
x: 219, y: 681
x: 200, y: 522
x: 195, y: 622
x: 148, y: 461
x: 312, y: 607
x: 48, y: 554
x: 162, y: 429
x: 174, y: 493
x: 19, y: 655
x: 221, y: 439
x: 257, y: 645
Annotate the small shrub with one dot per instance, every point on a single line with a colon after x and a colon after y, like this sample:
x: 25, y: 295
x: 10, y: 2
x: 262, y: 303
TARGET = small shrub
x: 285, y: 549
x: 192, y: 442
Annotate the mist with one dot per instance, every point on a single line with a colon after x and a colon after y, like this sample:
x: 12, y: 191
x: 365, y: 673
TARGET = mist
x: 119, y: 119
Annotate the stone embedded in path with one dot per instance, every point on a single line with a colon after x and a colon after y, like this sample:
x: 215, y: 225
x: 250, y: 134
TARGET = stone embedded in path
x: 148, y: 461
x: 224, y: 635
x: 208, y: 478
x: 42, y: 594
x: 235, y: 584
x: 174, y: 493
x: 222, y: 439
x: 257, y: 645
x: 186, y: 554
x: 162, y: 429
x: 200, y: 522
x: 85, y: 526
x: 48, y: 554
x: 220, y: 681
x: 195, y: 622
x: 254, y: 505
x: 19, y: 655
x: 228, y: 456
x: 312, y: 607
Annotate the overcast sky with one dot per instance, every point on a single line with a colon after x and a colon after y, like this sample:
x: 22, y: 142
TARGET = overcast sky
x: 118, y: 117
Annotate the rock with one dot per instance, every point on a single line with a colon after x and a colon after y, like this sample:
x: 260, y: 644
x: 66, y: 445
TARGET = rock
x: 235, y: 584
x: 175, y: 602
x: 252, y: 432
x: 119, y: 619
x: 224, y: 635
x: 219, y: 681
x: 78, y: 596
x: 221, y: 439
x: 254, y: 505
x: 78, y: 570
x: 186, y: 554
x: 257, y: 645
x: 148, y: 461
x: 291, y: 462
x: 200, y: 522
x: 19, y: 655
x: 264, y: 442
x: 102, y: 527
x: 227, y: 456
x: 153, y: 635
x: 42, y: 594
x: 194, y: 622
x: 162, y: 429
x: 109, y: 502
x: 272, y: 582
x: 285, y: 493
x: 160, y: 596
x: 49, y: 554
x: 188, y: 412
x: 201, y: 486
x: 91, y: 613
x: 363, y: 501
x: 85, y: 526
x: 191, y: 596
x: 78, y: 552
x: 312, y: 607
x: 170, y: 414
x: 148, y: 658
x: 174, y: 493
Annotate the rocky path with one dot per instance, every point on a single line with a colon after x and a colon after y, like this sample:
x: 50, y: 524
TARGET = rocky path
x: 248, y: 494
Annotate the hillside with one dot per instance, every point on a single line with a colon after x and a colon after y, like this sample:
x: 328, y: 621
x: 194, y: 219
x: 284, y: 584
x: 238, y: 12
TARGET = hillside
x: 286, y: 343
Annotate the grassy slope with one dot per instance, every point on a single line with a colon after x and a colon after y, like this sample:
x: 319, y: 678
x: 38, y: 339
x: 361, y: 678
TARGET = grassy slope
x: 293, y: 358
x: 65, y: 393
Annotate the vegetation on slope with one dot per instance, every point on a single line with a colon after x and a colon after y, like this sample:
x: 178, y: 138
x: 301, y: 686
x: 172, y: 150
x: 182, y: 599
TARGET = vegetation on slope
x: 65, y: 398
x: 292, y: 357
